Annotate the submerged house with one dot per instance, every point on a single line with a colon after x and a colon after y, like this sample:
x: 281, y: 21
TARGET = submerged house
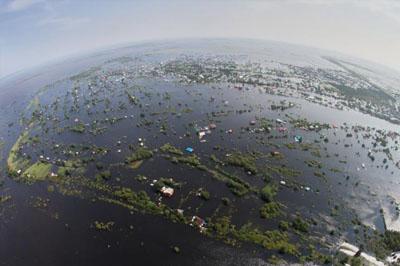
x: 167, y: 191
x: 199, y: 222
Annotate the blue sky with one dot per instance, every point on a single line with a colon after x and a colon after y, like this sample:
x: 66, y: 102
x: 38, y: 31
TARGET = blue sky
x: 33, y: 32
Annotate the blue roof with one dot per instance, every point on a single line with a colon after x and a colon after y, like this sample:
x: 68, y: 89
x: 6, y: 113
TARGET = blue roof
x: 189, y: 149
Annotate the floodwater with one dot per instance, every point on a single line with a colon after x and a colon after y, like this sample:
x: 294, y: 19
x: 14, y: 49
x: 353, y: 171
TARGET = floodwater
x: 63, y: 233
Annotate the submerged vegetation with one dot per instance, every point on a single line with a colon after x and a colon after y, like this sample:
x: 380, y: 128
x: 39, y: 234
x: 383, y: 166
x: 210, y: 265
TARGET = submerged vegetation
x: 140, y: 154
x: 79, y: 128
x: 385, y: 243
x: 270, y: 210
x: 268, y: 193
x: 168, y: 148
x: 243, y: 160
x: 103, y: 226
x: 271, y: 240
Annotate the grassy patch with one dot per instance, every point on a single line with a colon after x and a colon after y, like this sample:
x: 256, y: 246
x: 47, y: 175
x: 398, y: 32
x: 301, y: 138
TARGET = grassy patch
x: 313, y: 163
x: 246, y: 161
x: 268, y: 192
x: 272, y: 240
x: 103, y: 226
x: 270, y: 210
x: 168, y: 148
x: 14, y: 161
x: 135, y: 164
x: 104, y: 175
x: 383, y: 244
x: 191, y: 160
x: 38, y: 171
x: 140, y: 154
x: 204, y: 194
x: 78, y: 128
x: 300, y: 225
x: 4, y: 199
x: 71, y: 168
x: 282, y: 171
x: 234, y: 183
x: 167, y: 182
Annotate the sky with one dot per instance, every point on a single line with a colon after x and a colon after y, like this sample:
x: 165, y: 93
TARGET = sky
x: 33, y: 32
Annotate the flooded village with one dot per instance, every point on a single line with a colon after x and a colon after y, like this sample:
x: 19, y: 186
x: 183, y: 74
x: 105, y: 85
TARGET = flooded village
x: 290, y: 163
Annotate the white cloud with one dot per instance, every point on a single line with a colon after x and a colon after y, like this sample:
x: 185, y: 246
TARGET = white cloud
x: 18, y: 5
x: 388, y: 8
x: 65, y: 22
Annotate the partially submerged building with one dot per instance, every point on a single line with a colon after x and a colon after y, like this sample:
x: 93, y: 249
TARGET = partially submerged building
x: 350, y: 250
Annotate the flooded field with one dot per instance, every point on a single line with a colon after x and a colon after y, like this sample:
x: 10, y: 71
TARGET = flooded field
x: 218, y: 153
